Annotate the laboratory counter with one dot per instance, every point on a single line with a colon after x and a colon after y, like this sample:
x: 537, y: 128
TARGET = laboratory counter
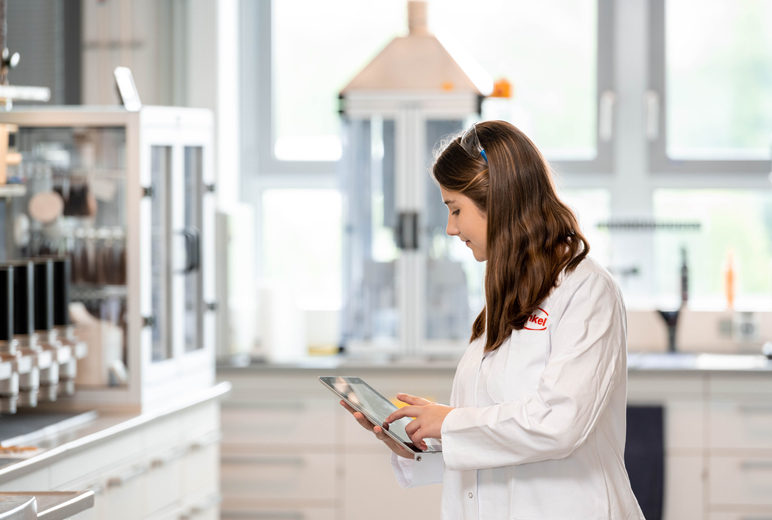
x: 135, y: 464
x: 636, y: 362
x: 714, y: 430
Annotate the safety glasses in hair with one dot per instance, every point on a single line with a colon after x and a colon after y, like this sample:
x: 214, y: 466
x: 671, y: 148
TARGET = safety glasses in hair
x: 471, y: 143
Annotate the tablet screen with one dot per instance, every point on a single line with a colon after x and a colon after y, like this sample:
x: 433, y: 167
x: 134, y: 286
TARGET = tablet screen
x: 377, y: 406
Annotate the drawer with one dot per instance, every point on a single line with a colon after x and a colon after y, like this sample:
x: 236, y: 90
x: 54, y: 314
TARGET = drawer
x: 125, y: 494
x: 683, y: 488
x: 96, y: 458
x: 740, y: 516
x: 740, y: 481
x: 201, y: 420
x: 201, y: 465
x: 280, y: 422
x: 164, y: 479
x: 370, y: 485
x: 740, y: 424
x: 36, y: 480
x: 289, y: 476
x: 278, y: 513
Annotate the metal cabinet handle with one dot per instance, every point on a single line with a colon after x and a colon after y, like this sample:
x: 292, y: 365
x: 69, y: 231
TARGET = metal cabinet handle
x: 203, y: 443
x: 206, y: 504
x: 652, y: 115
x: 262, y: 460
x: 169, y: 457
x: 407, y: 230
x: 606, y: 116
x: 192, y: 249
x: 756, y: 464
x: 756, y: 408
x: 269, y: 515
x: 126, y: 476
x: 295, y: 406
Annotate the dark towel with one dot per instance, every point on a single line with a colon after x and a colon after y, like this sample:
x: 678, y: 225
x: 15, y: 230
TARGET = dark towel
x: 645, y: 458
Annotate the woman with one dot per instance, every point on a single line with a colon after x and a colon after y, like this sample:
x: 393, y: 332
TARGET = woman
x: 536, y: 423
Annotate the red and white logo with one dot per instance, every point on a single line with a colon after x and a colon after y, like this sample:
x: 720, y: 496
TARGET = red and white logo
x: 537, y: 320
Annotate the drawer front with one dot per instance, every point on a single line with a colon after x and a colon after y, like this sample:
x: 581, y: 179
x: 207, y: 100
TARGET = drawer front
x: 278, y: 514
x: 740, y: 424
x: 278, y: 477
x: 201, y: 468
x: 370, y: 485
x: 684, y: 485
x: 741, y: 481
x: 740, y: 516
x: 164, y: 481
x: 126, y: 501
x: 280, y: 422
x: 94, y: 459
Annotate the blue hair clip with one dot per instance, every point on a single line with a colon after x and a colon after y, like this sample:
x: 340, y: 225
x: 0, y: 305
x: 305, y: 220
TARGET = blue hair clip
x: 471, y: 144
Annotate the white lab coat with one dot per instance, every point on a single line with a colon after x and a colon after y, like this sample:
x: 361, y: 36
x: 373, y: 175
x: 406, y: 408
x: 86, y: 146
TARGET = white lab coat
x: 539, y: 434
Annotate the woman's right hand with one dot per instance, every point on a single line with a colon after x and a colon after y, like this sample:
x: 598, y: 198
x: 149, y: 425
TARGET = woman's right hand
x: 378, y: 431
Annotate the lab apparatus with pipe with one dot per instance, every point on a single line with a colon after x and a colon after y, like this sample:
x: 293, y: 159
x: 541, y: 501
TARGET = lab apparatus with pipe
x: 409, y: 289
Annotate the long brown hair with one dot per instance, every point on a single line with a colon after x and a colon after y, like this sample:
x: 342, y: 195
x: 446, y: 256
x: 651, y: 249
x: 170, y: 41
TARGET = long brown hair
x: 532, y: 236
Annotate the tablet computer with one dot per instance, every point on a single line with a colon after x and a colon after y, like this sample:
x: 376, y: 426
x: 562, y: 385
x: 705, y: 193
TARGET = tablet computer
x: 376, y: 408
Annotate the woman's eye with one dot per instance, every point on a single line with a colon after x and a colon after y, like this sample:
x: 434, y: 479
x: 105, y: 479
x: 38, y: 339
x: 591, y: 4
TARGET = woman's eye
x: 455, y: 212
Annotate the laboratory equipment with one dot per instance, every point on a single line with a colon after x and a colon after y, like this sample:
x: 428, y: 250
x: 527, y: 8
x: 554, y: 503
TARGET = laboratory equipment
x: 409, y: 289
x: 136, y: 224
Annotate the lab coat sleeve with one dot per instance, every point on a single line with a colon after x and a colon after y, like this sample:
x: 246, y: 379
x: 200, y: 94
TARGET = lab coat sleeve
x: 413, y: 473
x: 583, y: 368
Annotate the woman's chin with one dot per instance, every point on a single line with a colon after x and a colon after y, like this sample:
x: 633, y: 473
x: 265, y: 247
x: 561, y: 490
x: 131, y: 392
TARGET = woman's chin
x: 478, y: 256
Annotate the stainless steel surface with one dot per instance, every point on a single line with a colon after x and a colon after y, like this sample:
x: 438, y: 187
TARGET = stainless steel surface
x: 18, y: 507
x: 48, y: 505
x: 35, y: 430
x: 96, y: 432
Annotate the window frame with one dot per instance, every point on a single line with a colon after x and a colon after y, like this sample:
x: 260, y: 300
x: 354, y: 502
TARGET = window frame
x: 656, y: 117
x: 258, y: 132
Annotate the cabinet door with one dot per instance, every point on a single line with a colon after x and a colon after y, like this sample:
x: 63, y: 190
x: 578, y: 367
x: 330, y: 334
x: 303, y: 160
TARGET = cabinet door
x: 279, y: 477
x: 125, y: 497
x: 684, y: 486
x: 741, y: 424
x: 741, y: 481
x: 370, y: 485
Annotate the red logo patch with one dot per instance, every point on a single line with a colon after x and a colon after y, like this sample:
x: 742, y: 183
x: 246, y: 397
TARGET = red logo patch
x: 537, y: 320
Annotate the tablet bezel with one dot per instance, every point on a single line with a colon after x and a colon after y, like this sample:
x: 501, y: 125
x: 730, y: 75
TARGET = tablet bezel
x: 409, y: 446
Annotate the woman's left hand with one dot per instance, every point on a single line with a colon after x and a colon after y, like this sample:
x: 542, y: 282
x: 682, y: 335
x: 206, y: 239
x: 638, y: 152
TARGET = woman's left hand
x: 428, y: 418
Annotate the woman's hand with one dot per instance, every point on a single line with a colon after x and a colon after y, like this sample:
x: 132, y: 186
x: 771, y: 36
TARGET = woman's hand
x: 378, y: 431
x: 428, y: 418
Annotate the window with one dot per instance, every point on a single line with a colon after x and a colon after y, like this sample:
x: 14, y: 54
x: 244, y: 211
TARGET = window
x: 314, y: 58
x: 550, y: 51
x: 592, y: 207
x: 301, y: 244
x: 710, y: 74
x: 739, y: 221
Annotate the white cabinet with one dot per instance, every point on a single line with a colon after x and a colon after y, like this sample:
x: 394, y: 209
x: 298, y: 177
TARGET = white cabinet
x: 165, y: 469
x: 684, y: 488
x: 290, y: 451
x: 369, y: 485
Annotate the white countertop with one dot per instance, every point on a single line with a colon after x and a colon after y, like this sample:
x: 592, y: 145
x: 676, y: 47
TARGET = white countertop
x: 636, y: 362
x: 102, y: 428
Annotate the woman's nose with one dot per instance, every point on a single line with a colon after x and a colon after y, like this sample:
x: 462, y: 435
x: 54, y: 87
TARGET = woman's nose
x: 451, y: 230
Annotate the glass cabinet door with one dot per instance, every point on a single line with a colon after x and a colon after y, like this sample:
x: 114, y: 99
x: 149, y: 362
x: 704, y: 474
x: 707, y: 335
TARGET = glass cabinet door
x: 454, y: 292
x: 160, y: 267
x: 371, y: 286
x: 191, y: 232
x: 75, y: 205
